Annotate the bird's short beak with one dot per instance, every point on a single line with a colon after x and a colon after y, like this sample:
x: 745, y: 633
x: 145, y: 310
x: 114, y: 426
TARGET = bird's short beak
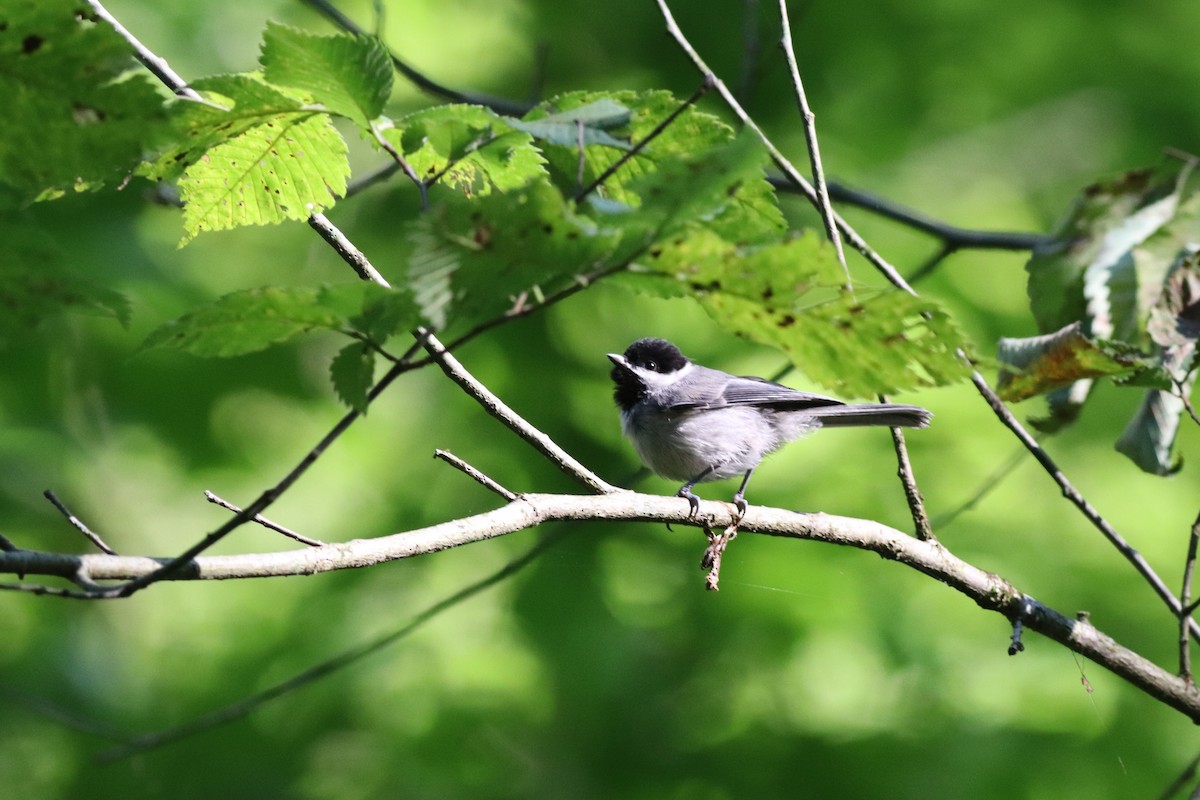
x: 619, y: 360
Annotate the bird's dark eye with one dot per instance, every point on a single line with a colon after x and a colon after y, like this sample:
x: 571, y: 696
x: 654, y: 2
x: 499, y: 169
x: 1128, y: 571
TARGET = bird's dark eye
x: 652, y: 365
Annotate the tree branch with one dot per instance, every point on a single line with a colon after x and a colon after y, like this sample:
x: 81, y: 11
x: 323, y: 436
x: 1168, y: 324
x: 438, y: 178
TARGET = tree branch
x: 793, y: 175
x: 814, y: 149
x: 989, y: 591
x: 496, y: 407
x: 1071, y: 493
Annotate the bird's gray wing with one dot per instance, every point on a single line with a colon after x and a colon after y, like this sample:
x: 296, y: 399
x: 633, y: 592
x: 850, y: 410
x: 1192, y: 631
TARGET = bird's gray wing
x: 760, y: 393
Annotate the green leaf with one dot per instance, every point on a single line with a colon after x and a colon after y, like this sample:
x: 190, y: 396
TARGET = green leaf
x: 234, y: 104
x: 589, y: 122
x: 286, y: 168
x: 786, y: 295
x: 352, y: 372
x: 474, y: 261
x: 252, y: 320
x: 473, y: 149
x: 73, y: 120
x: 1085, y: 273
x: 349, y: 75
x: 702, y: 187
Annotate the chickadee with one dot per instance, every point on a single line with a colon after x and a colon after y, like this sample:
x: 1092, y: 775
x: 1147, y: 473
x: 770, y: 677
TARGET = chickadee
x: 691, y: 423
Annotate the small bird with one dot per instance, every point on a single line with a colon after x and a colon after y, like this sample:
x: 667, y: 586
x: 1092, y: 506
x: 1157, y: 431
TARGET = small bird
x: 695, y: 424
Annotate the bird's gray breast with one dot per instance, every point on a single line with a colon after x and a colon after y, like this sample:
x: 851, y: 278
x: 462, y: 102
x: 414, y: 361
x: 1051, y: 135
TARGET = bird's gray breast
x: 682, y: 444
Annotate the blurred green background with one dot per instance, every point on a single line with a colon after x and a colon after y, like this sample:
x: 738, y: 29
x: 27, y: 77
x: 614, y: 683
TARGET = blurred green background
x: 604, y: 669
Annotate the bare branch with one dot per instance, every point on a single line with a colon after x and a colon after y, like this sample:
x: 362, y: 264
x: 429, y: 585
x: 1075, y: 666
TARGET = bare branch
x: 158, y: 66
x: 956, y: 238
x: 814, y: 149
x: 494, y: 406
x: 1185, y: 603
x: 346, y: 249
x: 988, y: 590
x: 777, y: 156
x: 92, y: 537
x: 405, y: 167
x: 261, y: 520
x: 1071, y: 493
x: 904, y: 471
x: 479, y: 477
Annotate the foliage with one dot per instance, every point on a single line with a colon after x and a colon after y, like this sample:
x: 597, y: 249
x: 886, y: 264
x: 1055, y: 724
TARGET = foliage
x: 1112, y: 291
x: 602, y: 667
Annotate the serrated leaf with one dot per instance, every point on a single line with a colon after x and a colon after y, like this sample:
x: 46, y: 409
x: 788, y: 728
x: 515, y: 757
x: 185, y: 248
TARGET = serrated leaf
x: 1150, y: 435
x: 474, y: 261
x: 349, y: 75
x: 74, y: 120
x: 352, y: 372
x: 471, y: 147
x: 1175, y: 316
x: 285, y: 168
x: 786, y: 295
x: 587, y: 123
x: 1040, y: 364
x: 234, y: 104
x: 252, y: 320
x: 700, y: 187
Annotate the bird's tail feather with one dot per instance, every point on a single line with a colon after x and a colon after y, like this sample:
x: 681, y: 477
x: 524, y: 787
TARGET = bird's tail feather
x: 892, y: 415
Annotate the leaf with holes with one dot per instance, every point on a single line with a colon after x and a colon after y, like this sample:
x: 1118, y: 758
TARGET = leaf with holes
x: 286, y: 168
x: 472, y: 148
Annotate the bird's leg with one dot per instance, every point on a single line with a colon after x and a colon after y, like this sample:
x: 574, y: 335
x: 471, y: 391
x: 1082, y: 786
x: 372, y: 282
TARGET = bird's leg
x: 739, y: 499
x: 685, y: 492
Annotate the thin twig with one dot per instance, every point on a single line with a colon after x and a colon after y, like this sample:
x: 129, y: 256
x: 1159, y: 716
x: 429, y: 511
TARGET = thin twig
x: 814, y: 149
x: 344, y: 659
x: 1071, y: 493
x: 50, y: 591
x: 157, y: 66
x: 497, y: 104
x: 496, y: 407
x: 484, y: 480
x: 263, y: 501
x: 916, y: 504
x: 793, y: 175
x: 960, y: 238
x: 405, y: 167
x: 632, y: 152
x: 989, y: 483
x: 346, y: 249
x: 1185, y: 602
x: 715, y: 553
x: 91, y: 536
x: 370, y: 179
x: 61, y: 715
x: 261, y: 520
x: 7, y: 546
